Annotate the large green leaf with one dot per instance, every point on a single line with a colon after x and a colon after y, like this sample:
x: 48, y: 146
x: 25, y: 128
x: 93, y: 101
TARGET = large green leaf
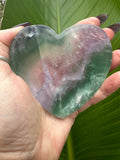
x: 96, y: 132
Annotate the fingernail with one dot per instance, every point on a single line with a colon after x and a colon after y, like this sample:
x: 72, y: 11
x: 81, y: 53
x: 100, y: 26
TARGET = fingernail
x: 115, y: 27
x: 102, y: 18
x: 25, y: 24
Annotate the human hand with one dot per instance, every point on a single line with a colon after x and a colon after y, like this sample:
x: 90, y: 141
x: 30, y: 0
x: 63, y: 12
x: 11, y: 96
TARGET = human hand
x: 27, y: 131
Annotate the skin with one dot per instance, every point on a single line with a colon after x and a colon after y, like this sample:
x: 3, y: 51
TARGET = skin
x: 27, y: 131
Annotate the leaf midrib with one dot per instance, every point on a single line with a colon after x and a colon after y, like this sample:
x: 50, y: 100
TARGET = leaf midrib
x: 58, y: 18
x: 70, y: 150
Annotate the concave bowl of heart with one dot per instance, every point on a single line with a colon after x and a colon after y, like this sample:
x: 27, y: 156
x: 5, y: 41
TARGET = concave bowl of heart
x: 62, y: 71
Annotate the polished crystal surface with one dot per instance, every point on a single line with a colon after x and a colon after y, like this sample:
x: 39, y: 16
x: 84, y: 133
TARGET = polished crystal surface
x: 62, y: 71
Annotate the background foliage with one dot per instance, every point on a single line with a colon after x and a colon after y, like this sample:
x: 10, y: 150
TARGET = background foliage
x: 96, y: 132
x: 1, y: 9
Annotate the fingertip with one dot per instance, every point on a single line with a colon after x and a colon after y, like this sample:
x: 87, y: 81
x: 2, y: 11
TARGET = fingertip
x: 16, y: 29
x: 90, y: 20
x: 109, y: 32
x: 94, y: 21
x: 115, y: 59
x: 25, y: 24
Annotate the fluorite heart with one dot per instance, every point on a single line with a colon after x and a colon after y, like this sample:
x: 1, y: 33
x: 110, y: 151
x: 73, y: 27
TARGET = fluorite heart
x: 62, y: 71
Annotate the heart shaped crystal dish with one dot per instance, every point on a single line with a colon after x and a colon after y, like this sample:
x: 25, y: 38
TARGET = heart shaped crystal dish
x: 62, y: 71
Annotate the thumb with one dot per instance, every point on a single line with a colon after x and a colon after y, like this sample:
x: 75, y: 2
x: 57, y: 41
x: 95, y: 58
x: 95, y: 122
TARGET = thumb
x: 6, y: 36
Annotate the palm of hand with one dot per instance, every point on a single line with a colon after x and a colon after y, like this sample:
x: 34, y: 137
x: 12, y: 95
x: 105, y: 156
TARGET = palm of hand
x: 28, y: 130
x: 26, y: 127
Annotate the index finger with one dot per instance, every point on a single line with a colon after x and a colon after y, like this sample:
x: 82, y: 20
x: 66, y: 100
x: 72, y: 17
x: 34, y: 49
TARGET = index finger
x: 90, y: 20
